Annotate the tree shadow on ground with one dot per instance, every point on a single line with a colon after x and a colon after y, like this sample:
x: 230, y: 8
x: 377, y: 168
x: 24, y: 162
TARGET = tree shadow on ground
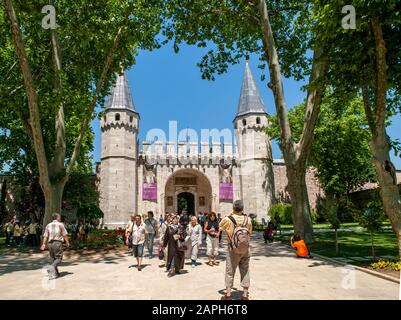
x: 11, y: 261
x: 259, y: 249
x: 320, y: 263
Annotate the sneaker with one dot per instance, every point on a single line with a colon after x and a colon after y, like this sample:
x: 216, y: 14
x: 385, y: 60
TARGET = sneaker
x: 226, y: 297
x: 193, y: 265
x: 139, y: 268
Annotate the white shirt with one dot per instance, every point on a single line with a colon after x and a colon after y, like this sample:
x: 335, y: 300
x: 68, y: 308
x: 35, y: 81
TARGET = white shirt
x: 151, y: 225
x: 138, y: 234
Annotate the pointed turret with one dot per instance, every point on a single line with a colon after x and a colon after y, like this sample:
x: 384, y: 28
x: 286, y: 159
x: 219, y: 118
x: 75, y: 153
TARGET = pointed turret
x: 119, y: 154
x: 253, y: 150
x: 250, y: 101
x: 120, y: 96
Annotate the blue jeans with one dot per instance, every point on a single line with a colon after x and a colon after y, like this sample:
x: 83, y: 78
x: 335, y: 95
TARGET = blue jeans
x: 150, y: 244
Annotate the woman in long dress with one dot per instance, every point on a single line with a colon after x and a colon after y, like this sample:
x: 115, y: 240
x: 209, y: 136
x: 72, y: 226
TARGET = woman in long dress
x: 163, y: 230
x: 173, y: 240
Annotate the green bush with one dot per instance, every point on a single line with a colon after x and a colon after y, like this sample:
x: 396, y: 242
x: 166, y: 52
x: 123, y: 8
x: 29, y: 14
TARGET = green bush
x: 256, y: 226
x: 314, y: 216
x: 282, y: 211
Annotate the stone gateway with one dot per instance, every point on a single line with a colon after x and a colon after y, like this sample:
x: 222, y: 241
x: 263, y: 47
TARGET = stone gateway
x: 169, y: 176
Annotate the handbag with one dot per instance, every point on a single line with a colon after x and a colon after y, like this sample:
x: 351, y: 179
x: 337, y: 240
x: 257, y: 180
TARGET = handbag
x: 130, y: 242
x: 182, y: 246
x: 161, y: 253
x: 130, y: 237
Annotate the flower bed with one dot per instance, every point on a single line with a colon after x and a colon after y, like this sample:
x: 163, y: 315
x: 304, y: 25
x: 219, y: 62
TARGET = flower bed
x: 386, y: 264
x: 100, y: 238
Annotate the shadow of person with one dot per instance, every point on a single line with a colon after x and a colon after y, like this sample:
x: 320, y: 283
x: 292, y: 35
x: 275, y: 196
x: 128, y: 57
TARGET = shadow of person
x: 235, y: 293
x: 182, y: 272
x: 190, y: 263
x: 143, y: 266
x: 65, y: 273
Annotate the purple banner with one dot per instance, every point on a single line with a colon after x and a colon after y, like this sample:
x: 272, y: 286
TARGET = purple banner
x: 149, y: 191
x: 226, y: 191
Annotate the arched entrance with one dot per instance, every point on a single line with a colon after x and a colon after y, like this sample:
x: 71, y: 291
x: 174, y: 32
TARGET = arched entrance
x: 188, y: 189
x: 186, y: 201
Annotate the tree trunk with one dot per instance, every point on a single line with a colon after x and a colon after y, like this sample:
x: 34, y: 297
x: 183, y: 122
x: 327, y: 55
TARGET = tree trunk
x: 295, y: 154
x: 389, y: 191
x: 376, y: 115
x: 336, y: 241
x: 53, y: 199
x: 300, y: 203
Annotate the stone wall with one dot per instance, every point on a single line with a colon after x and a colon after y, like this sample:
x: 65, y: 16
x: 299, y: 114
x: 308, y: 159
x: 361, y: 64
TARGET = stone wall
x: 280, y: 181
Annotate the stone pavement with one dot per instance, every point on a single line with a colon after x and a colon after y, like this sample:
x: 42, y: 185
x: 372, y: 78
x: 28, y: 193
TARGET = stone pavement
x: 275, y: 274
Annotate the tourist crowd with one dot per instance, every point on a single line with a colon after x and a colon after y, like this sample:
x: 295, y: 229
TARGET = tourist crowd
x: 181, y: 236
x: 174, y: 238
x: 20, y: 233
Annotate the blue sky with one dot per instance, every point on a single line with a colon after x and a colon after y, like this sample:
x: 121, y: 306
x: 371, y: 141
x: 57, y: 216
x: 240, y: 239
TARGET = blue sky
x: 168, y: 86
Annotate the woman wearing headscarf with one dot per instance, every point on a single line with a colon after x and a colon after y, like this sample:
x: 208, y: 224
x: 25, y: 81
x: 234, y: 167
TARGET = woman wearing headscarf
x: 163, y: 230
x: 174, y: 241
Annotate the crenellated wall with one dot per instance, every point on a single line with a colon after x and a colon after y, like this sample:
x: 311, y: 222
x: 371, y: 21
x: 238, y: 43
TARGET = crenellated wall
x: 187, y: 152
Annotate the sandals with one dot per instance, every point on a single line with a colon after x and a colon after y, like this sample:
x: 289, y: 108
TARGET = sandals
x: 210, y: 263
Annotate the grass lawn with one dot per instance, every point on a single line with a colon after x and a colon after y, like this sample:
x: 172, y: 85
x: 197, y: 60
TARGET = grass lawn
x: 327, y: 226
x: 352, y: 243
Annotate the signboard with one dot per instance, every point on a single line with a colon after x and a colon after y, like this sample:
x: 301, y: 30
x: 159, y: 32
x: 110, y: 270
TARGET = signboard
x: 226, y: 191
x: 149, y: 191
x: 189, y: 181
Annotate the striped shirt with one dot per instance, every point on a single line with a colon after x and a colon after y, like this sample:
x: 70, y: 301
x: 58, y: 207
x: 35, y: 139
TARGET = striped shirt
x: 228, y: 226
x: 55, y: 231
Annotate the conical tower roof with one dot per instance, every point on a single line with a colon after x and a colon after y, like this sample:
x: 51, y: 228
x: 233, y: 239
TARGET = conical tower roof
x: 250, y: 100
x: 120, y: 96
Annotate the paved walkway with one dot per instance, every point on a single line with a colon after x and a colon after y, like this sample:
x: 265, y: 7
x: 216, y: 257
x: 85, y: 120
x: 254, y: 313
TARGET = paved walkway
x: 275, y: 274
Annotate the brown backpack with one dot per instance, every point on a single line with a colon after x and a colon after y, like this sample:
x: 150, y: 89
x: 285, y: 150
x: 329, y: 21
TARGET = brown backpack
x: 240, y: 240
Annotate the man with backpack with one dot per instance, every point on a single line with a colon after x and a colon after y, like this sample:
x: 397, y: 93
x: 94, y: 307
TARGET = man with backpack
x: 238, y: 228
